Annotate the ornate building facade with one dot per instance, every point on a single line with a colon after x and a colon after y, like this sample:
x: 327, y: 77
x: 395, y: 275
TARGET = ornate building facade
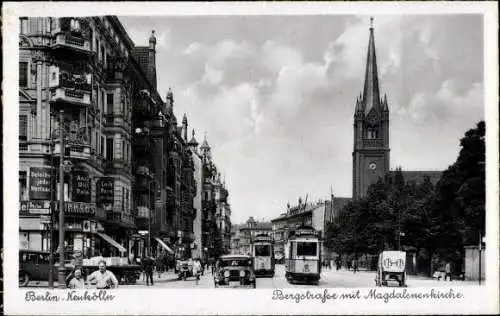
x: 134, y: 183
x: 80, y: 66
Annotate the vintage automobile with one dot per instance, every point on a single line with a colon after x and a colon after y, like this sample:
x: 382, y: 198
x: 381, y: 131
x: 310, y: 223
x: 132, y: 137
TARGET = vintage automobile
x: 184, y: 269
x: 391, y: 267
x: 234, y: 268
x: 34, y: 265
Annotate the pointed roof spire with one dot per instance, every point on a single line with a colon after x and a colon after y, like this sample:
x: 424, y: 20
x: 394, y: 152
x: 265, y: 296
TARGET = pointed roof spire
x: 371, y: 93
x: 193, y: 140
x: 205, y: 145
x: 170, y: 94
x: 184, y: 119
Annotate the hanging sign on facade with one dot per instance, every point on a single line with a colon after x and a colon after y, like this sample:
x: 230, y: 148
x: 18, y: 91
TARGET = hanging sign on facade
x: 105, y: 192
x: 81, y: 186
x: 78, y: 208
x: 34, y: 207
x: 40, y: 183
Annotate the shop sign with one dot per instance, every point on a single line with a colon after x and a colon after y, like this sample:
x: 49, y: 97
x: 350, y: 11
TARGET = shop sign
x: 35, y: 207
x: 78, y: 208
x: 44, y: 219
x: 40, y: 183
x: 81, y: 186
x: 105, y: 192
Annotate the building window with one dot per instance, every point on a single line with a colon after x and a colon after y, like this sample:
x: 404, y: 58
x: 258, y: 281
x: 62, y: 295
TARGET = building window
x: 123, y: 199
x: 109, y: 148
x: 97, y: 139
x: 109, y: 103
x: 23, y: 74
x: 102, y: 146
x: 103, y: 93
x: 23, y: 127
x: 75, y: 26
x: 23, y: 25
x: 23, y: 186
x: 372, y: 133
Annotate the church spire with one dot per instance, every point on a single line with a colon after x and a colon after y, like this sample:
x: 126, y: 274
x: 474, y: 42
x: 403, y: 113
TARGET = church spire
x: 371, y: 93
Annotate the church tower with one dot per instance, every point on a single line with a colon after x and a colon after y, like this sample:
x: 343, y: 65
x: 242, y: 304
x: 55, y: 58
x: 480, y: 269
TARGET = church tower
x: 370, y: 156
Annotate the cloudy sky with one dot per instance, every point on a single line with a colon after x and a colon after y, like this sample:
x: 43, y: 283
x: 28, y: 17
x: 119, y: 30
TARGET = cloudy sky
x: 276, y: 94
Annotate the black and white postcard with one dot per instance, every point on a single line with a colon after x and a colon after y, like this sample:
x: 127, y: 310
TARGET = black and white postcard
x: 250, y: 158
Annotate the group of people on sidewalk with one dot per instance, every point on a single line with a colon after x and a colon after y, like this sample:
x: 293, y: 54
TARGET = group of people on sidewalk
x: 103, y: 278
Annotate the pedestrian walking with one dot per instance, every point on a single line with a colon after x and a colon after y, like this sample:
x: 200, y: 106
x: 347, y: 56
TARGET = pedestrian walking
x: 197, y: 270
x: 105, y: 279
x: 447, y: 270
x: 148, y: 267
x: 159, y: 266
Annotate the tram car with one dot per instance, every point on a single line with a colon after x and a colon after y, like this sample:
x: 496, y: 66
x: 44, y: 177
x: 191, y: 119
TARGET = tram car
x: 263, y: 253
x: 303, y: 256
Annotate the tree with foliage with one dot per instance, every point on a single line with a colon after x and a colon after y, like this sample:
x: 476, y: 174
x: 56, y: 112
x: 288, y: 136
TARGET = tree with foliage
x: 459, y: 202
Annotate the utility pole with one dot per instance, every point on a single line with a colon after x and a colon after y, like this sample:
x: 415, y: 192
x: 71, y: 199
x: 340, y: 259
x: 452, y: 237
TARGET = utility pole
x: 61, y: 270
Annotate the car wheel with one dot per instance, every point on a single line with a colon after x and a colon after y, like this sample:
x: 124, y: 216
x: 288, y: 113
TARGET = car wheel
x: 24, y: 279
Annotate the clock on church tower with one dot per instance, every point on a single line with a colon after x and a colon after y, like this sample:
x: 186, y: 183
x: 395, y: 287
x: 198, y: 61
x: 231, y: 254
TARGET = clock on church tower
x: 371, y: 129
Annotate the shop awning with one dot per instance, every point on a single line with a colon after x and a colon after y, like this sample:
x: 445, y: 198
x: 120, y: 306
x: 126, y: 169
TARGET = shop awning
x: 112, y: 242
x: 164, y: 245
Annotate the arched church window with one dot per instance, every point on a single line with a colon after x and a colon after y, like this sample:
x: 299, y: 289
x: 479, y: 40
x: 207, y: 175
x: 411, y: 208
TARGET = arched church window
x: 372, y: 132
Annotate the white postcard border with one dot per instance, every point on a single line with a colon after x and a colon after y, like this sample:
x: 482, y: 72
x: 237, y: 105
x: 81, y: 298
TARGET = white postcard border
x: 476, y: 299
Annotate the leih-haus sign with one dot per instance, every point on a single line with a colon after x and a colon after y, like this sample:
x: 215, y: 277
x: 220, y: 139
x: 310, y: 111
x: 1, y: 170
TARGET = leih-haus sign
x: 40, y: 183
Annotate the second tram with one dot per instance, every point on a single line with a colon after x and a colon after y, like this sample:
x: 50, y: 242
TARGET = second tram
x: 263, y: 254
x: 303, y: 256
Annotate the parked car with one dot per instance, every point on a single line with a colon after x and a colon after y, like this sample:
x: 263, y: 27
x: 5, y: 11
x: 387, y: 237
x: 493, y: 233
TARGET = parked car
x: 235, y: 268
x: 34, y: 265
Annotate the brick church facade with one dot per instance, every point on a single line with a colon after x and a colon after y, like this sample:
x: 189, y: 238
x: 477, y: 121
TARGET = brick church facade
x: 371, y: 152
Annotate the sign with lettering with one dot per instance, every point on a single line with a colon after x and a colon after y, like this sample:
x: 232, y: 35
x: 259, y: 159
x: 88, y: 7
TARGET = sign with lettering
x: 35, y: 207
x: 40, y: 183
x: 78, y: 208
x: 81, y: 186
x: 105, y: 192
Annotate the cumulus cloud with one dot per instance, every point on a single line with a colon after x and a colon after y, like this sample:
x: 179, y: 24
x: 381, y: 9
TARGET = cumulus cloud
x: 277, y: 99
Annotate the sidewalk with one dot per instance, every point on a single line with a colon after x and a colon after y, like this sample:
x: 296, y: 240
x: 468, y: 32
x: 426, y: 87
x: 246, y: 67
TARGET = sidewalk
x: 414, y: 280
x: 169, y: 276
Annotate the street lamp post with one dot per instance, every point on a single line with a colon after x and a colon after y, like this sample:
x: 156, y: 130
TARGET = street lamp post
x: 149, y: 214
x: 480, y: 249
x: 61, y: 270
x: 51, y: 225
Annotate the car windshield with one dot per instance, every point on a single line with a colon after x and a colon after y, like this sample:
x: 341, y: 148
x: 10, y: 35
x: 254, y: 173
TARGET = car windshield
x: 235, y: 263
x: 262, y: 250
x: 306, y: 248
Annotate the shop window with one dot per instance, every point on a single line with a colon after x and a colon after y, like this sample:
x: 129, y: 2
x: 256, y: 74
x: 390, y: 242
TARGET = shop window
x: 23, y: 74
